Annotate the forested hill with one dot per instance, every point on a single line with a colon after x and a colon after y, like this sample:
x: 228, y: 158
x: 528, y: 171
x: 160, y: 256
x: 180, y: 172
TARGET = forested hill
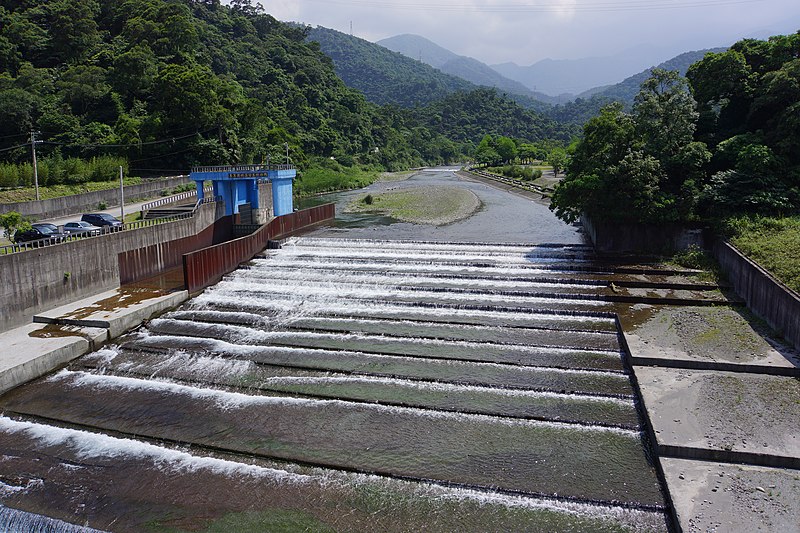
x: 466, y: 117
x: 385, y: 77
x: 134, y: 72
x: 168, y: 84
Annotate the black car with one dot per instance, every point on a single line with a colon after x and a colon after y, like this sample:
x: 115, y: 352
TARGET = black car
x: 39, y: 232
x: 102, y: 220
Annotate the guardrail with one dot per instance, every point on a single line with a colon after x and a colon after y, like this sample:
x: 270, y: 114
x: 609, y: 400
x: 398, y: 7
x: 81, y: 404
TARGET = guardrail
x: 509, y: 181
x: 242, y: 168
x: 207, y: 266
x: 128, y: 226
x: 174, y: 198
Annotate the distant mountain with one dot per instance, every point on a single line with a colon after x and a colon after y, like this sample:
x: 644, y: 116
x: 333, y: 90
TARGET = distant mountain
x: 588, y: 103
x: 470, y: 69
x: 566, y: 77
x: 384, y: 76
x: 626, y: 90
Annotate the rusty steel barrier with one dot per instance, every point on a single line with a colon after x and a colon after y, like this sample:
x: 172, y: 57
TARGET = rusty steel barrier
x: 207, y: 266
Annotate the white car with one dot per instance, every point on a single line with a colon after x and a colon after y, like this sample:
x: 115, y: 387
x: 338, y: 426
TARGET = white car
x: 83, y: 229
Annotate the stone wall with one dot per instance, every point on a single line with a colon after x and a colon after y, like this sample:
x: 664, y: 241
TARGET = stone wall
x: 767, y: 297
x: 86, y: 202
x: 43, y: 278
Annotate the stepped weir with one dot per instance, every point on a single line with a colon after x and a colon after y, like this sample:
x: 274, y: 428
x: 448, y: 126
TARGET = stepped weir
x: 357, y: 385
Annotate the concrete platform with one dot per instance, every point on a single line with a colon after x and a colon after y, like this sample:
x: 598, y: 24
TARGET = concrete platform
x: 67, y: 332
x: 706, y: 338
x: 117, y: 310
x: 731, y: 498
x: 34, y: 350
x: 723, y: 416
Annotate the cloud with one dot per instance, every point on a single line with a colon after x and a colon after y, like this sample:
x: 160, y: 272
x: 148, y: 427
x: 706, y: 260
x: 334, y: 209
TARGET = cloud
x: 565, y: 9
x: 524, y: 31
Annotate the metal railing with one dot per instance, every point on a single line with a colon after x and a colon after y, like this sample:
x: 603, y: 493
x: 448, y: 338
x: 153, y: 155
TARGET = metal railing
x: 242, y: 168
x: 509, y: 181
x: 174, y: 198
x: 107, y: 230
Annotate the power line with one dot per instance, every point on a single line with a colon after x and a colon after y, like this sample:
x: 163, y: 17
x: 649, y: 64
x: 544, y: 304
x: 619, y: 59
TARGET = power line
x: 149, y: 143
x: 13, y: 147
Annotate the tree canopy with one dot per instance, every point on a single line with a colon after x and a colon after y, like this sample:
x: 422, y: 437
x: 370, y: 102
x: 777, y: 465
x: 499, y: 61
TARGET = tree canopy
x: 724, y: 140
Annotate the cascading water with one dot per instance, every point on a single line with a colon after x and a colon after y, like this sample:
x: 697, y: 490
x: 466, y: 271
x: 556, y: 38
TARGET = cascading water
x: 353, y: 385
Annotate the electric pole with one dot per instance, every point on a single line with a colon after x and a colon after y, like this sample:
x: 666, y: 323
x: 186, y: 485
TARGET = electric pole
x: 287, y: 152
x: 35, y: 167
x: 121, y: 198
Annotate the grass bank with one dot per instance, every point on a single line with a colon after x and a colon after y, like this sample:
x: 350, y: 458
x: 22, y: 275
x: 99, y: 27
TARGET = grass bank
x: 28, y: 194
x: 421, y: 205
x: 320, y: 180
x: 773, y: 243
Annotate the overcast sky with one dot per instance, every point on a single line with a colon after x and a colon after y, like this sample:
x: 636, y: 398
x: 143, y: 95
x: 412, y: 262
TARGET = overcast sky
x: 525, y: 31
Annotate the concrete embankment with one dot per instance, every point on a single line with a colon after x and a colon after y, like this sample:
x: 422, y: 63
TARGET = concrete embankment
x: 721, y: 393
x: 65, y: 333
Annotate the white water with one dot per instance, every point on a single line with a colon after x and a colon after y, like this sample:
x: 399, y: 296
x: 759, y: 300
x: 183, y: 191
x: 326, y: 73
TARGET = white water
x: 15, y: 521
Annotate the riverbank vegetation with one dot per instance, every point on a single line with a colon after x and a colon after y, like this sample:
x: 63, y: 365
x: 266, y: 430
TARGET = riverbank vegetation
x: 330, y: 177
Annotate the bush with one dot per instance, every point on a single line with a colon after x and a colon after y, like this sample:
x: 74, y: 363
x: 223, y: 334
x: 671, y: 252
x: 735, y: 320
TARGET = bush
x: 106, y: 168
x: 76, y: 171
x: 9, y: 175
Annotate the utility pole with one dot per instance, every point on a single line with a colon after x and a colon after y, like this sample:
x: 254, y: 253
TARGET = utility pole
x: 35, y: 167
x: 287, y: 152
x: 121, y: 198
x: 351, y: 28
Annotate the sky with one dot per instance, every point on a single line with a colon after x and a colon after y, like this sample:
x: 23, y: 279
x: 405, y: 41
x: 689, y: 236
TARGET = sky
x: 526, y: 31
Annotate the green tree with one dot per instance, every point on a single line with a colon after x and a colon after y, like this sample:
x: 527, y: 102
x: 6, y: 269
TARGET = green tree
x: 486, y: 153
x: 13, y: 222
x: 557, y: 159
x: 506, y: 149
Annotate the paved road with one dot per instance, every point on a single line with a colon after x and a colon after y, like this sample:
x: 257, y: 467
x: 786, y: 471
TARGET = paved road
x: 114, y: 211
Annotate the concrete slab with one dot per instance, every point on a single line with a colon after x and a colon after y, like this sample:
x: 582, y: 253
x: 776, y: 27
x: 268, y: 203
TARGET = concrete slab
x: 733, y: 498
x: 67, y: 332
x: 723, y: 416
x: 723, y: 338
x: 31, y: 351
x: 117, y: 310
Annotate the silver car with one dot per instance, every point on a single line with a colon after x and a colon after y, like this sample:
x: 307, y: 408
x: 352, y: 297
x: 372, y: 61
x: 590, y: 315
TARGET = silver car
x: 82, y: 229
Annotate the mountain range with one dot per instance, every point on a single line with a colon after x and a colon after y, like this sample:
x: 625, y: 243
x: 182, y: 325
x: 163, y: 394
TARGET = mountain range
x: 411, y: 71
x: 468, y: 68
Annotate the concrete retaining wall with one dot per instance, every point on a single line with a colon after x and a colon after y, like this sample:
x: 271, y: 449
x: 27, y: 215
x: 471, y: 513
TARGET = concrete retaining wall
x: 78, y: 203
x: 43, y: 278
x: 766, y: 296
x: 613, y: 237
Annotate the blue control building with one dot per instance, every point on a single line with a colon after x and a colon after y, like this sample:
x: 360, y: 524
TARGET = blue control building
x: 239, y: 185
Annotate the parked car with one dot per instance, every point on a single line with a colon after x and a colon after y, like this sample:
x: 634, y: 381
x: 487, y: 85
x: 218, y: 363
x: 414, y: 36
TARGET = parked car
x: 39, y: 232
x: 81, y: 228
x: 103, y: 220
